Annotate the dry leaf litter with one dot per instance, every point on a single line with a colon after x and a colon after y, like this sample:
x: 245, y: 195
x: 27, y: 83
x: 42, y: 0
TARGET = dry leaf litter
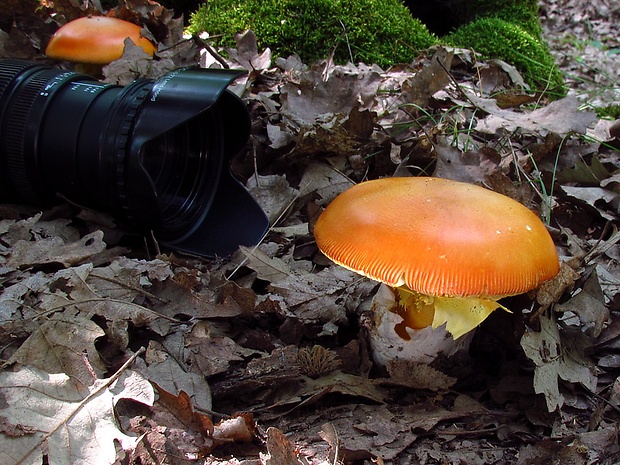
x: 115, y: 353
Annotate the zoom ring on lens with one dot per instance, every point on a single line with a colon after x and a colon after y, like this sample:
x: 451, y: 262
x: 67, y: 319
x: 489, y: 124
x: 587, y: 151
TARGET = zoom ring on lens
x: 121, y: 147
x: 9, y: 70
x: 18, y: 144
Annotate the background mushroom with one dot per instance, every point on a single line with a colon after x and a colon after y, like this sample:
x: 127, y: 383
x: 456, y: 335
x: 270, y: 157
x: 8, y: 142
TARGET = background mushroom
x: 449, y: 249
x: 96, y: 40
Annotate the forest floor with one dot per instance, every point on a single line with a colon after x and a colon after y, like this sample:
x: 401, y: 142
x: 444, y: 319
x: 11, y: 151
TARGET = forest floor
x: 115, y: 351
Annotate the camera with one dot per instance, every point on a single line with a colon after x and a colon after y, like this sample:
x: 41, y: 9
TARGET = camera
x: 155, y: 154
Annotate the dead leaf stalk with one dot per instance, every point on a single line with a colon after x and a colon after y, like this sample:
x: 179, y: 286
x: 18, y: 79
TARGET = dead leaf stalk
x: 262, y: 239
x: 104, y: 300
x: 137, y: 289
x: 212, y: 51
x: 87, y: 399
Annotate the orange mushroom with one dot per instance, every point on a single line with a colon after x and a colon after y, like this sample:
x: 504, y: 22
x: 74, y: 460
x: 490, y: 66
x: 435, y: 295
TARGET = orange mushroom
x: 450, y: 249
x: 95, y: 39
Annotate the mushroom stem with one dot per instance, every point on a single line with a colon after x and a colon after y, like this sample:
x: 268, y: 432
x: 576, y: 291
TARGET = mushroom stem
x: 460, y: 314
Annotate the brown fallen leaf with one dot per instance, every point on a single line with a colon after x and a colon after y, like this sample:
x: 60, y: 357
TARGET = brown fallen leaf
x: 329, y: 434
x: 64, y: 344
x: 181, y: 407
x: 589, y: 306
x: 433, y: 77
x: 54, y: 250
x: 65, y: 422
x: 345, y: 384
x: 560, y: 117
x: 327, y: 89
x: 211, y: 353
x: 170, y: 375
x: 270, y: 269
x: 557, y: 355
x: 280, y: 451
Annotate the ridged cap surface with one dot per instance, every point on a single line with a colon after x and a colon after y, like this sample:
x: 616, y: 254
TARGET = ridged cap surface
x: 437, y: 237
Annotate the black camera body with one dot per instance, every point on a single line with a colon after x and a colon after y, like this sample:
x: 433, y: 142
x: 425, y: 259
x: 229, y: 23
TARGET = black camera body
x: 155, y: 153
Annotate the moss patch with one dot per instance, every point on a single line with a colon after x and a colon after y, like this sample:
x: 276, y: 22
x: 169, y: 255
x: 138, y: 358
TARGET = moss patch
x: 382, y: 32
x: 523, y: 13
x: 496, y: 38
x: 371, y: 31
x: 610, y: 111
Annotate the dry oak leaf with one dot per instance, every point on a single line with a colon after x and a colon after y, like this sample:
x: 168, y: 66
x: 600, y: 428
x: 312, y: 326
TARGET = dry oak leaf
x: 69, y: 424
x: 171, y: 374
x: 589, y: 306
x: 25, y: 254
x: 181, y: 407
x: 560, y: 117
x: 557, y: 355
x: 60, y: 345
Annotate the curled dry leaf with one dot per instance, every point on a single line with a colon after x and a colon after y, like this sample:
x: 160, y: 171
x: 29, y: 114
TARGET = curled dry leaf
x: 589, y: 305
x: 181, y: 406
x: 560, y: 117
x: 280, y: 450
x: 54, y: 250
x: 550, y: 291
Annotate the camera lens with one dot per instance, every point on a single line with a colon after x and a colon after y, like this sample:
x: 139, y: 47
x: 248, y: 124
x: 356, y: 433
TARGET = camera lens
x: 183, y: 165
x: 154, y: 153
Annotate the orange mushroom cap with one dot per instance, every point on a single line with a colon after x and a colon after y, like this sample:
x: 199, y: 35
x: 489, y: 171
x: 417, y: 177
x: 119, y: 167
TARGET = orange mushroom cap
x: 437, y: 237
x: 95, y: 39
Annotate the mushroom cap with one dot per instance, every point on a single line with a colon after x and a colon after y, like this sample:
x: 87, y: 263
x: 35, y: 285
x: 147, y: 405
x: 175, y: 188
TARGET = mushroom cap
x: 95, y: 39
x: 437, y: 237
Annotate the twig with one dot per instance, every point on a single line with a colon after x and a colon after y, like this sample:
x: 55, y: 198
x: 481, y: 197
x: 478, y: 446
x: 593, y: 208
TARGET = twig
x: 346, y: 36
x: 468, y: 432
x: 284, y: 211
x: 128, y: 286
x: 101, y: 299
x: 84, y: 401
x: 212, y: 51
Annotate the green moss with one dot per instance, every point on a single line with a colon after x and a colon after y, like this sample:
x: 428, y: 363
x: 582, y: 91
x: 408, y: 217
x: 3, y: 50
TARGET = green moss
x: 382, y: 32
x: 610, y: 111
x: 370, y: 31
x: 497, y: 38
x: 523, y: 13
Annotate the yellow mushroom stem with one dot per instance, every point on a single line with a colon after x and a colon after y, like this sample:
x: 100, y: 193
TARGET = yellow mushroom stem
x: 460, y: 314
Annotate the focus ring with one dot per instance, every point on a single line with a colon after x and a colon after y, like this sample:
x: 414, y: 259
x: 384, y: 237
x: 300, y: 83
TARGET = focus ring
x: 19, y: 146
x: 134, y: 101
x: 9, y: 70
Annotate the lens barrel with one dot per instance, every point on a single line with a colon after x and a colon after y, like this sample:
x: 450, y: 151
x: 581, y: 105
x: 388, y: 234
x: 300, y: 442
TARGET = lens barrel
x: 154, y: 154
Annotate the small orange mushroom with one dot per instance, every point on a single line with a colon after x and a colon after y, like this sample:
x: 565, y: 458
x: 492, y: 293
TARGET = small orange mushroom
x: 95, y: 39
x: 450, y: 249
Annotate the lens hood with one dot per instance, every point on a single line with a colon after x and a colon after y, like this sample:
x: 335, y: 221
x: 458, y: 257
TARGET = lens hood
x: 155, y: 154
x: 229, y: 216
